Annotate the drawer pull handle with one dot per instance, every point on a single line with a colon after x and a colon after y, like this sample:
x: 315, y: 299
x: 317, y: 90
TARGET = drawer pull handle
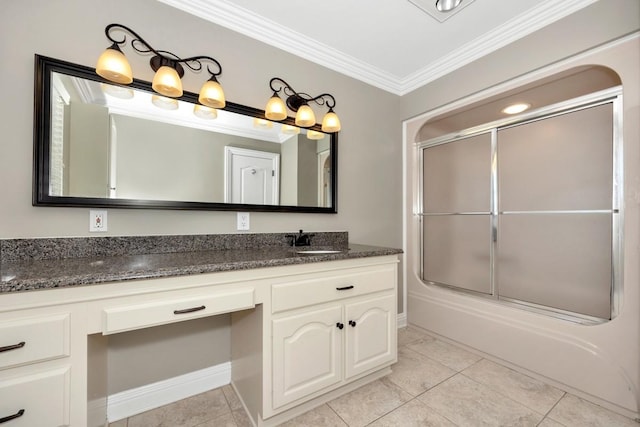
x: 352, y: 323
x: 12, y: 417
x: 12, y: 347
x: 344, y: 288
x: 339, y: 325
x: 189, y: 310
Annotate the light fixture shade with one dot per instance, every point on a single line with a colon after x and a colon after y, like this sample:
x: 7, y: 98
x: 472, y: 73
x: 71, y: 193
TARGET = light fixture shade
x: 290, y: 130
x: 167, y: 82
x: 113, y: 66
x: 314, y: 134
x: 117, y: 91
x: 447, y: 5
x: 212, y: 95
x: 164, y: 102
x: 330, y: 122
x: 204, y: 112
x: 305, y: 117
x: 262, y: 123
x: 275, y: 109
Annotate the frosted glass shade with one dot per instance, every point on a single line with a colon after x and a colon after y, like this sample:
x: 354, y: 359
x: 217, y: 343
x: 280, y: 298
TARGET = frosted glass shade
x: 330, y: 122
x: 212, y: 95
x: 290, y: 130
x: 275, y: 109
x: 113, y: 66
x: 305, y: 117
x: 167, y: 82
x: 204, y: 112
x: 313, y: 134
x: 164, y: 102
x: 262, y: 123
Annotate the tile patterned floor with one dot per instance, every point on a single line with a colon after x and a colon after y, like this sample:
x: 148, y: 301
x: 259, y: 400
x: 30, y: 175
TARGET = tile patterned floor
x: 434, y: 384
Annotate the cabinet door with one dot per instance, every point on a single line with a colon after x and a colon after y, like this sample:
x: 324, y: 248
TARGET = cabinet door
x: 371, y: 334
x: 307, y: 353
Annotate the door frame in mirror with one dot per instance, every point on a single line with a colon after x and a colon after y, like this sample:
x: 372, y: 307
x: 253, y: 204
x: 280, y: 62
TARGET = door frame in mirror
x: 45, y: 66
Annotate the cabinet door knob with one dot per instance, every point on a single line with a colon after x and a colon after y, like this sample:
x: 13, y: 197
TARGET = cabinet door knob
x: 352, y: 323
x: 12, y: 417
x: 12, y: 347
x: 339, y: 325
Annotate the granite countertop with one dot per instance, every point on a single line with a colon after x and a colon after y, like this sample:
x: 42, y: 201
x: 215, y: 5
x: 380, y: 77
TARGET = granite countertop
x: 34, y: 274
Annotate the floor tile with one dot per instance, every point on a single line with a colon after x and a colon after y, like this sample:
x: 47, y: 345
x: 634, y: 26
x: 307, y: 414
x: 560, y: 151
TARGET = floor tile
x: 188, y: 412
x: 232, y: 397
x: 572, y: 411
x: 369, y: 402
x: 548, y: 422
x: 226, y: 420
x: 412, y: 414
x: 415, y: 373
x: 530, y: 392
x: 445, y: 353
x: 241, y: 418
x: 322, y: 416
x: 120, y: 423
x: 408, y: 335
x: 468, y: 403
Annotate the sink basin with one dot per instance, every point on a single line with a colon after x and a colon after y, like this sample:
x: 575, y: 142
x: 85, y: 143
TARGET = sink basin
x: 318, y: 252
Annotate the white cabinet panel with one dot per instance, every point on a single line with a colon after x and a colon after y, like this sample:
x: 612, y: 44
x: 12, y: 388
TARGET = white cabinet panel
x: 371, y: 334
x: 307, y: 354
x: 33, y: 340
x: 40, y: 399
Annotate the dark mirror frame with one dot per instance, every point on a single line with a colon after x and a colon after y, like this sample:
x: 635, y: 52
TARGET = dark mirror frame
x: 45, y: 66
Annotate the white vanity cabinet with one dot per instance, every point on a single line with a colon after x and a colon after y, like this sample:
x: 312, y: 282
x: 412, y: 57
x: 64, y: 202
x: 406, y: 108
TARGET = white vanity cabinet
x: 35, y: 368
x: 329, y: 329
x: 300, y: 334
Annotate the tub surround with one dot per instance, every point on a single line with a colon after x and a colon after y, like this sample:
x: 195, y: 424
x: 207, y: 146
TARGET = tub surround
x: 31, y: 264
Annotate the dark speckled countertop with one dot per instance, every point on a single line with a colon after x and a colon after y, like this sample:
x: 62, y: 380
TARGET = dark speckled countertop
x: 24, y: 273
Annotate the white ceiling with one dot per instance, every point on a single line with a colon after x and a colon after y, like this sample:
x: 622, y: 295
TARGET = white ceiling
x: 391, y: 44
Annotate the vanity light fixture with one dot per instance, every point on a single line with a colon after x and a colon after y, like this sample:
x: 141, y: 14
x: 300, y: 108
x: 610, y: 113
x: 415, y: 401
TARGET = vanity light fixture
x: 276, y: 108
x: 113, y: 66
x: 447, y: 5
x: 164, y: 102
x: 205, y: 112
x: 262, y: 123
x: 516, y: 108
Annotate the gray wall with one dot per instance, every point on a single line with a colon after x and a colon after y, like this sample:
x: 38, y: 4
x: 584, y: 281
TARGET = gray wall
x: 369, y: 169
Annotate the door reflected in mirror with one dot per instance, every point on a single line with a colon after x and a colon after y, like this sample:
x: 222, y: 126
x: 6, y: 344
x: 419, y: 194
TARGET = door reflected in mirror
x: 100, y: 144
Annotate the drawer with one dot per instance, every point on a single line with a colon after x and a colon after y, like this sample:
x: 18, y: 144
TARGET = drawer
x: 40, y: 399
x: 130, y: 317
x: 33, y: 340
x: 311, y: 289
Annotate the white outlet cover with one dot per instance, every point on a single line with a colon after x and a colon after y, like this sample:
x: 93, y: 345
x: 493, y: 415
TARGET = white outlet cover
x: 97, y: 221
x: 243, y: 221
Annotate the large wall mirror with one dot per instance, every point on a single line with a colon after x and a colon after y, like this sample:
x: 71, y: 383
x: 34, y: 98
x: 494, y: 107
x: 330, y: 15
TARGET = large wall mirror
x: 98, y: 144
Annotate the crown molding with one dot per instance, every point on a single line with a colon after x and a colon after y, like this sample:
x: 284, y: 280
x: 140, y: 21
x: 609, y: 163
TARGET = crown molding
x: 233, y: 17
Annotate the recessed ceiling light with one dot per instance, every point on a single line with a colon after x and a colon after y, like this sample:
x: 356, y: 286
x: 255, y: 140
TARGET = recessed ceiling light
x: 447, y: 5
x: 516, y: 108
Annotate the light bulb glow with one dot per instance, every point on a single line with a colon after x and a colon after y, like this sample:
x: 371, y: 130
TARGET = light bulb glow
x: 305, y: 117
x: 516, y: 108
x: 113, y: 66
x: 262, y: 123
x: 167, y: 82
x: 275, y: 109
x: 212, y: 95
x: 204, y: 112
x: 164, y: 102
x: 313, y: 134
x: 330, y: 122
x: 290, y: 130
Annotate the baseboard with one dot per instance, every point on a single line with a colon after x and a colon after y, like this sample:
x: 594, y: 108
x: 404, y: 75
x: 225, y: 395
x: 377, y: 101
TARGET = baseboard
x: 402, y: 320
x: 135, y: 401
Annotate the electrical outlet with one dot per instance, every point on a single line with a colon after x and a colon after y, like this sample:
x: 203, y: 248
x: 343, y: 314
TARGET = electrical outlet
x: 97, y: 221
x: 243, y: 221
